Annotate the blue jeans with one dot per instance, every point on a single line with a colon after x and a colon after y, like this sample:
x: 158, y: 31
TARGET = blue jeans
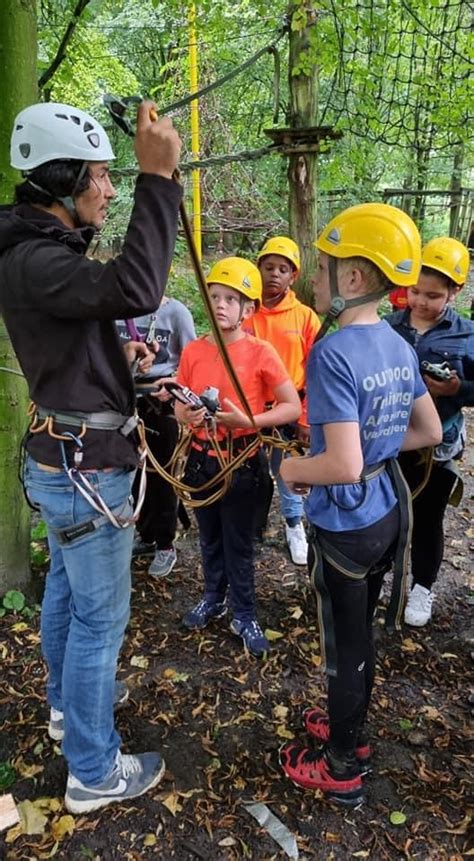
x: 85, y: 611
x: 291, y: 504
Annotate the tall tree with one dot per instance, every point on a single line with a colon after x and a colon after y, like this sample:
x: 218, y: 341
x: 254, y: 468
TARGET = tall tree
x: 18, y: 88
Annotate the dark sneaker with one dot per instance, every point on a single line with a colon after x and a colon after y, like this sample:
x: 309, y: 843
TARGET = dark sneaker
x: 254, y: 638
x: 130, y: 777
x: 142, y: 548
x: 316, y: 722
x: 202, y: 613
x: 163, y: 562
x: 312, y: 770
x: 56, y: 718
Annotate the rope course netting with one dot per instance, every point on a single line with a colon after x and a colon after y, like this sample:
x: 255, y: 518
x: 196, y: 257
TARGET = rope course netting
x: 397, y: 76
x: 403, y: 74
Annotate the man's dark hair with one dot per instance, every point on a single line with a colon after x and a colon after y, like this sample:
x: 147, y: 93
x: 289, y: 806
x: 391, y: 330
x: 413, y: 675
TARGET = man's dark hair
x: 54, y: 180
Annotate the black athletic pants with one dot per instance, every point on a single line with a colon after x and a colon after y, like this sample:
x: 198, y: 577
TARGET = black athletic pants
x: 429, y: 507
x: 159, y: 515
x: 353, y: 606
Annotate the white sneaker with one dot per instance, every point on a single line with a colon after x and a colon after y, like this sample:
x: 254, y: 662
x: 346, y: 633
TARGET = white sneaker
x: 297, y: 544
x: 419, y: 606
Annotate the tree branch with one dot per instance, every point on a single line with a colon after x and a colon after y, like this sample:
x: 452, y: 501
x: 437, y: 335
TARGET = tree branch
x: 61, y: 52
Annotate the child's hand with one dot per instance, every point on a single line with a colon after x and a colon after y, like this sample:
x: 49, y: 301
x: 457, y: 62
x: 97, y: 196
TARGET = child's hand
x: 190, y: 415
x: 443, y: 388
x: 232, y: 417
x: 161, y: 393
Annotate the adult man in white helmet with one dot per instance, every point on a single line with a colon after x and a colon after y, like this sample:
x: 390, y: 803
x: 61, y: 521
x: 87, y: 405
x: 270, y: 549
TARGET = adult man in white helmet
x: 59, y: 308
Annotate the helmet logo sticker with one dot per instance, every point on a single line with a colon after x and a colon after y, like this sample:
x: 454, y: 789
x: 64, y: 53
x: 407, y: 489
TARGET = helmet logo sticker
x: 94, y: 140
x: 334, y: 236
x: 246, y: 283
x: 404, y: 266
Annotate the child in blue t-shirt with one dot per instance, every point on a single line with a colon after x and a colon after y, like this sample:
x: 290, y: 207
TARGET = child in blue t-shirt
x: 366, y: 402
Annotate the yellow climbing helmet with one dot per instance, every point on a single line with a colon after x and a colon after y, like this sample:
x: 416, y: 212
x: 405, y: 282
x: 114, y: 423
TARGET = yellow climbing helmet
x: 383, y: 234
x: 285, y: 247
x: 448, y: 256
x: 240, y: 274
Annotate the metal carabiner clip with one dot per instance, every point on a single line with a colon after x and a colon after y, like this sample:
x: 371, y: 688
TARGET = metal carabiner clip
x: 118, y: 107
x: 150, y: 335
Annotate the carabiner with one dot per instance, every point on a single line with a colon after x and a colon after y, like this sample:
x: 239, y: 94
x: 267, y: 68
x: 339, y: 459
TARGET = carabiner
x: 118, y: 108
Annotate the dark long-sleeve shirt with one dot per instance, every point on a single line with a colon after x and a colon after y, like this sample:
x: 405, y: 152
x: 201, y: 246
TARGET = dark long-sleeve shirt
x: 59, y: 308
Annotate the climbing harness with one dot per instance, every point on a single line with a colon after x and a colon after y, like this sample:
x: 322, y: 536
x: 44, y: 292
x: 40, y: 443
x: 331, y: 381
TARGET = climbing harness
x: 43, y: 420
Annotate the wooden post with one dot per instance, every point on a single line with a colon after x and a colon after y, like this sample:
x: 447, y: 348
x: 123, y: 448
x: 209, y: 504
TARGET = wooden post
x: 302, y: 167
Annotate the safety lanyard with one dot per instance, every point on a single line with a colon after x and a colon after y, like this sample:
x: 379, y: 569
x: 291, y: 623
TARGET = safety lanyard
x: 117, y: 108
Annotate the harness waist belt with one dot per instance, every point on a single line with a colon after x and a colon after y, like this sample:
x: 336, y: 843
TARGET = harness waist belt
x: 106, y: 420
x: 372, y: 471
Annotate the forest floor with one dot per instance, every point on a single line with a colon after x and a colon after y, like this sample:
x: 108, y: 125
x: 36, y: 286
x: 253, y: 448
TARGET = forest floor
x: 219, y: 717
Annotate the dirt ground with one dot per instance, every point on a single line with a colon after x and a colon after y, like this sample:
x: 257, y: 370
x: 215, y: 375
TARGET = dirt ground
x: 220, y: 716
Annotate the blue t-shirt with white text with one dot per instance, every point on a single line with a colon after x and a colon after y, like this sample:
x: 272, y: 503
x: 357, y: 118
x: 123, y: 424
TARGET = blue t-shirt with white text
x: 366, y: 374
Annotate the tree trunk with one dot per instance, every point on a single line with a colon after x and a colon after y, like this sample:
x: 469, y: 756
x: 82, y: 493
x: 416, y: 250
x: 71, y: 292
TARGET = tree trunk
x: 456, y: 179
x: 302, y: 167
x: 18, y: 51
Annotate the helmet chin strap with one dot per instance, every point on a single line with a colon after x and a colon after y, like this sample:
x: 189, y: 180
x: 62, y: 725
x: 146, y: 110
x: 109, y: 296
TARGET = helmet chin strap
x: 68, y: 200
x: 236, y: 326
x: 339, y: 303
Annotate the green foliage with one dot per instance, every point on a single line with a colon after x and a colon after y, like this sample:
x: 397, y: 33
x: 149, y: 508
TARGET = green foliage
x: 38, y: 549
x: 14, y: 600
x: 7, y: 776
x: 395, y: 84
x: 40, y: 531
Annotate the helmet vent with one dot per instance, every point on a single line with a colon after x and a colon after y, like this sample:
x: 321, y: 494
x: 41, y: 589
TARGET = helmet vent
x: 61, y: 116
x: 25, y: 149
x: 94, y: 140
x: 404, y: 266
x: 88, y: 127
x: 18, y: 127
x: 76, y: 120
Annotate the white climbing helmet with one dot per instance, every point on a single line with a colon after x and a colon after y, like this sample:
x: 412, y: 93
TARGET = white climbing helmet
x: 49, y: 131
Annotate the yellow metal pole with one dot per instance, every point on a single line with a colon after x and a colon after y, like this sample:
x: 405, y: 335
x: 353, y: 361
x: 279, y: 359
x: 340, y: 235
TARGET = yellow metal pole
x: 193, y: 78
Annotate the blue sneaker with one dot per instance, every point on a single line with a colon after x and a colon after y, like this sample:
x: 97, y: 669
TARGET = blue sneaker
x: 131, y: 776
x: 254, y: 638
x: 56, y: 718
x: 203, y: 612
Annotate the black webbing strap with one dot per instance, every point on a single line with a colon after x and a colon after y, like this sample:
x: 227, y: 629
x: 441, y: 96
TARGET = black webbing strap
x: 321, y: 549
x: 400, y: 571
x: 72, y: 533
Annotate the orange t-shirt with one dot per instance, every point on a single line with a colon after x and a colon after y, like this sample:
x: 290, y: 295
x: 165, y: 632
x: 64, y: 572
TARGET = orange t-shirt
x: 256, y: 363
x: 291, y: 328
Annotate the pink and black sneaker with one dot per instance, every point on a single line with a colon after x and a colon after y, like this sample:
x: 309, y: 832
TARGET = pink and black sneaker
x: 316, y: 722
x: 316, y: 770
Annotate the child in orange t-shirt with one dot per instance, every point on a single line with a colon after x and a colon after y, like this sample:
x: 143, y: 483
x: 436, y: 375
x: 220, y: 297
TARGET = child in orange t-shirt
x: 291, y: 327
x: 226, y: 527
